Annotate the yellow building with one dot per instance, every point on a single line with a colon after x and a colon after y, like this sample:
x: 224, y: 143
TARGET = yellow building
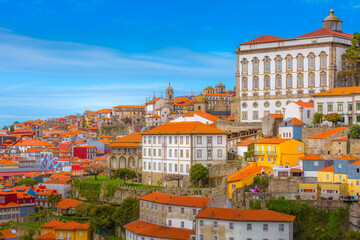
x: 244, y: 177
x: 60, y: 230
x: 326, y: 175
x: 278, y: 152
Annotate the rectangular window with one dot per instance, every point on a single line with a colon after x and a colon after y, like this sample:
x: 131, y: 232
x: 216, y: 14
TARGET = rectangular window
x: 187, y: 153
x: 245, y: 83
x: 170, y: 140
x: 340, y: 107
x: 330, y: 107
x: 320, y: 108
x: 181, y: 153
x: 187, y: 140
x: 215, y: 224
x: 267, y: 66
x: 199, y: 153
x: 265, y: 227
x: 244, y: 115
x: 169, y: 209
x: 175, y: 153
x: 159, y: 153
x: 255, y: 115
x: 231, y: 225
x: 300, y: 64
x: 154, y: 166
x: 288, y: 64
x: 170, y: 167
x: 300, y: 81
x: 323, y: 62
x: 267, y: 83
x: 199, y: 140
x: 182, y: 224
x: 175, y: 167
x: 181, y: 167
x: 278, y: 82
x: 219, y: 140
x: 169, y: 223
x: 182, y: 210
x: 244, y: 67
x: 170, y: 152
x: 312, y: 81
x: 323, y: 79
x: 278, y: 65
x: 289, y: 82
x: 256, y: 83
x: 187, y: 168
x: 311, y: 63
x: 350, y: 107
x: 201, y: 237
x: 300, y: 148
x: 219, y: 153
x: 249, y: 227
x: 256, y: 67
x: 176, y: 140
x: 181, y: 140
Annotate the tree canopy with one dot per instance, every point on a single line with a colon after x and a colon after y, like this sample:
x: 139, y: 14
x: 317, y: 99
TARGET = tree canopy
x: 94, y: 170
x: 124, y: 173
x: 318, y: 118
x: 26, y: 182
x: 350, y: 75
x: 53, y: 199
x: 333, y: 117
x: 199, y: 174
x: 354, y: 131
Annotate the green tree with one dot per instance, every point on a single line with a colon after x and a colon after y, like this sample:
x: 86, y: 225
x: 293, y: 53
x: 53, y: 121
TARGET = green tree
x: 355, y: 131
x: 100, y: 217
x: 94, y: 170
x: 333, y: 117
x: 350, y: 75
x: 126, y: 120
x: 29, y: 235
x: 199, y: 174
x: 36, y: 208
x: 127, y: 212
x: 124, y: 173
x: 318, y: 118
x: 248, y: 154
x: 353, y: 235
x: 26, y: 182
x: 53, y: 199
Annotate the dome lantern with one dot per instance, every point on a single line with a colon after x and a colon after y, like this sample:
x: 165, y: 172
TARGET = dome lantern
x: 332, y: 22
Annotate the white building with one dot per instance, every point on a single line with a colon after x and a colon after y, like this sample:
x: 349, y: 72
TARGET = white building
x: 197, y: 116
x: 304, y: 111
x: 174, y: 147
x: 343, y: 100
x: 274, y: 71
x: 238, y: 224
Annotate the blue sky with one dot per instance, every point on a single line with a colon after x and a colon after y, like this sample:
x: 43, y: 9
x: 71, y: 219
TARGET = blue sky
x: 64, y: 57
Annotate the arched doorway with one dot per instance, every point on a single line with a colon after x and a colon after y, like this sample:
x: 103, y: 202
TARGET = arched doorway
x: 122, y: 161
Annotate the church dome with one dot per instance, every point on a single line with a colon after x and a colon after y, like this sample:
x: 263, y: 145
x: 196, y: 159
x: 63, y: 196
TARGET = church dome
x: 220, y: 85
x: 209, y: 88
x: 332, y: 17
x: 201, y: 99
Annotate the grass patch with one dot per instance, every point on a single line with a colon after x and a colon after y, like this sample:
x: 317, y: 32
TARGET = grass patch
x: 32, y: 224
x: 38, y: 214
x: 103, y: 179
x: 114, y: 238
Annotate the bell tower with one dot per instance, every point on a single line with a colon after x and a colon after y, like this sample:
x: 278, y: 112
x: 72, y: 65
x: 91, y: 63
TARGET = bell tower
x: 332, y: 22
x: 169, y: 101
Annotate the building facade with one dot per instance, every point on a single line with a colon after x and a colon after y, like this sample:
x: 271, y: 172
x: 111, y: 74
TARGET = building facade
x: 171, y: 149
x: 274, y: 71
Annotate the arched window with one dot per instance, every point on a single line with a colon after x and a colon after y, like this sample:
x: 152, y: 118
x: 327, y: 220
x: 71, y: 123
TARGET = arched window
x: 311, y: 58
x: 278, y: 83
x: 323, y: 60
x: 255, y: 83
x: 300, y: 80
x: 289, y: 59
x: 244, y: 64
x: 278, y: 64
x: 266, y: 64
x: 300, y: 62
x: 311, y: 79
x: 255, y: 62
x: 323, y: 79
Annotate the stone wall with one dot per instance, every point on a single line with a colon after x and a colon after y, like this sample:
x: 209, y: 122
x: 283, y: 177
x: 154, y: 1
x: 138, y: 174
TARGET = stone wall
x: 355, y: 147
x: 219, y: 172
x: 284, y: 184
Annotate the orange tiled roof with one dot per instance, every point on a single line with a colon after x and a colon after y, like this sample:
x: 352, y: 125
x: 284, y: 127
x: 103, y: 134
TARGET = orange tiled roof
x: 203, y: 114
x: 340, y: 139
x: 244, y: 173
x: 32, y: 142
x: 245, y: 215
x: 311, y: 156
x: 327, y: 133
x: 347, y: 158
x: 47, y: 236
x: 66, y: 226
x: 232, y: 117
x: 327, y: 169
x: 339, y: 91
x: 272, y: 140
x: 296, y: 170
x: 131, y: 138
x: 296, y: 121
x: 153, y: 230
x: 325, y: 32
x: 246, y: 142
x: 276, y: 115
x: 264, y: 39
x: 8, y: 234
x: 305, y: 104
x: 356, y: 163
x: 115, y: 144
x: 170, y: 199
x: 184, y: 128
x: 68, y: 203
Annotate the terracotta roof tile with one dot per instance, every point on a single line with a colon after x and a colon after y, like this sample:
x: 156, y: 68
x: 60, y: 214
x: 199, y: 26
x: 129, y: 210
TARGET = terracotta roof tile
x: 131, y: 138
x: 276, y: 115
x: 184, y: 128
x: 244, y: 173
x: 325, y: 32
x: 153, y: 230
x: 272, y: 140
x: 296, y: 121
x: 340, y: 91
x: 124, y: 145
x: 264, y: 39
x: 327, y: 169
x: 311, y: 156
x: 68, y: 203
x: 244, y: 215
x: 247, y: 142
x: 327, y: 133
x: 202, y: 114
x: 170, y: 199
x: 340, y: 139
x: 47, y: 236
x: 8, y: 234
x: 305, y: 104
x: 347, y: 158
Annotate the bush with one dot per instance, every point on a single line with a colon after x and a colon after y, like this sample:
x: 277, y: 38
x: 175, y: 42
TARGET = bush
x: 355, y: 131
x: 255, y: 204
x: 318, y: 118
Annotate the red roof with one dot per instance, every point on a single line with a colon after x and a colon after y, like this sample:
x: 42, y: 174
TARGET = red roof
x: 68, y: 203
x: 296, y: 170
x: 184, y: 128
x: 246, y: 142
x: 8, y: 234
x: 47, y: 236
x: 170, y: 199
x: 272, y: 140
x: 305, y: 104
x: 327, y: 169
x: 325, y: 32
x: 66, y: 226
x: 153, y: 230
x: 327, y: 133
x: 244, y: 215
x: 311, y: 156
x: 264, y: 39
x: 131, y: 138
x: 202, y: 114
x: 296, y: 121
x: 340, y: 139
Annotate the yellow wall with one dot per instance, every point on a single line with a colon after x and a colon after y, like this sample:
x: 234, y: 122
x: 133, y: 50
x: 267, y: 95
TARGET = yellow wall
x: 244, y: 181
x: 286, y: 153
x: 353, y: 189
x: 322, y: 177
x: 343, y: 178
x: 74, y: 235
